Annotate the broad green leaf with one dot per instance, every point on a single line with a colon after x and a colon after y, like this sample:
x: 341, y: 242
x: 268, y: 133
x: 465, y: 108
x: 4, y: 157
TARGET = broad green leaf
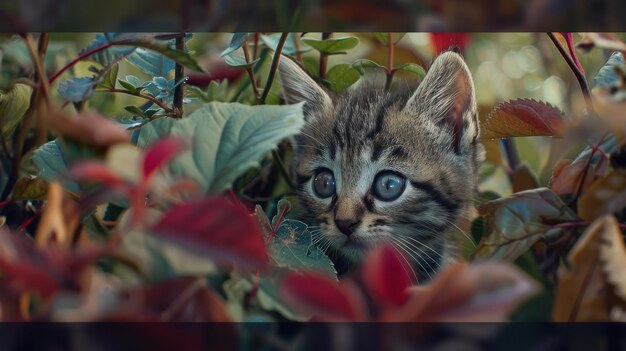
x: 522, y: 117
x: 216, y: 91
x: 239, y: 61
x: 109, y: 55
x: 383, y: 37
x: 513, y: 224
x: 228, y: 139
x: 292, y: 248
x: 341, y: 76
x: 235, y: 43
x: 412, y: 68
x: 52, y: 165
x: 332, y: 46
x: 13, y: 105
x: 361, y: 64
x: 136, y: 111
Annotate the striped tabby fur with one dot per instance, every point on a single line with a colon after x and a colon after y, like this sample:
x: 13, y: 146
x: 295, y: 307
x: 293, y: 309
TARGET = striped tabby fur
x: 428, y: 135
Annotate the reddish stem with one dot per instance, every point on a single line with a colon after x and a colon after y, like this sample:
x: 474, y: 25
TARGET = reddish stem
x: 252, y: 293
x: 79, y: 58
x: 280, y: 218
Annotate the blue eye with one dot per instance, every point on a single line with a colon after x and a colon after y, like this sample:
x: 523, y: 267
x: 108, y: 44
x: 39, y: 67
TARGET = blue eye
x: 324, y: 183
x: 388, y: 186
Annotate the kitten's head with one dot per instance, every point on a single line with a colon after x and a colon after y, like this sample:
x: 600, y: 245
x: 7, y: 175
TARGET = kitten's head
x: 378, y: 167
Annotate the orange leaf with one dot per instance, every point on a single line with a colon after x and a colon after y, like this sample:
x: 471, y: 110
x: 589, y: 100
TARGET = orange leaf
x: 605, y: 196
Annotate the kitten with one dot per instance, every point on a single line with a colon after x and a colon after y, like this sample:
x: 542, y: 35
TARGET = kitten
x: 399, y: 167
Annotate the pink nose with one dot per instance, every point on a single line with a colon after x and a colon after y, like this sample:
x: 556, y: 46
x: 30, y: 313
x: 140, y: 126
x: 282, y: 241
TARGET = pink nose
x: 346, y: 226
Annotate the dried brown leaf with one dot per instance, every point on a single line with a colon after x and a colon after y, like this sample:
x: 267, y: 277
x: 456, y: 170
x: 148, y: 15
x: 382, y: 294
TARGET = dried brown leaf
x: 595, y: 283
x: 567, y: 175
x: 522, y: 117
x: 606, y: 195
x: 524, y: 178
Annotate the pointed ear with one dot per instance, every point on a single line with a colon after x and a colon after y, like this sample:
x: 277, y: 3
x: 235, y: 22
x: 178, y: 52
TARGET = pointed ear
x: 298, y: 86
x: 446, y: 97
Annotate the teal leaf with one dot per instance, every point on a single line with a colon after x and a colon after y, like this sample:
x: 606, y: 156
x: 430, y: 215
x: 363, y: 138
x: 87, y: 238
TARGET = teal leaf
x: 228, y: 139
x: 412, y: 68
x: 290, y: 48
x: 235, y: 43
x: 361, y: 64
x: 607, y: 76
x: 109, y: 78
x: 239, y: 61
x: 51, y: 163
x: 77, y: 89
x: 292, y: 248
x: 332, y: 46
x: 151, y: 62
x: 341, y: 76
x: 109, y: 55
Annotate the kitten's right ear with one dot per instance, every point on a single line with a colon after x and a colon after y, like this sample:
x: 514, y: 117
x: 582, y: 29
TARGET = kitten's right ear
x: 298, y: 86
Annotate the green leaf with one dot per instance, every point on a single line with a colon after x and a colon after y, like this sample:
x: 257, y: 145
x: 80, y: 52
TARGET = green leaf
x: 13, y: 105
x: 152, y: 62
x: 412, y: 68
x: 136, y: 111
x: 292, y: 248
x: 129, y: 86
x: 228, y: 139
x: 513, y: 224
x: 235, y: 43
x: 332, y: 46
x: 383, y: 37
x: 361, y: 64
x: 216, y: 91
x: 29, y: 188
x: 239, y: 61
x: 341, y: 76
x: 109, y: 79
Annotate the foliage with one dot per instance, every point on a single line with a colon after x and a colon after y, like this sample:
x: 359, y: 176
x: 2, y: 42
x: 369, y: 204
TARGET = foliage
x: 118, y: 172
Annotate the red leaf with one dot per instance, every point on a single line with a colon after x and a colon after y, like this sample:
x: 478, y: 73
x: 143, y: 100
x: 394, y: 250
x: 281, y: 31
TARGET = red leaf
x: 159, y: 153
x: 214, y: 227
x: 522, y: 117
x: 96, y: 172
x: 387, y: 276
x: 322, y: 298
x: 444, y: 41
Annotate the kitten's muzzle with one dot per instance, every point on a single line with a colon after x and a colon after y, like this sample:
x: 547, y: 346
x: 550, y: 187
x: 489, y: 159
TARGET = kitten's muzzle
x: 347, y: 226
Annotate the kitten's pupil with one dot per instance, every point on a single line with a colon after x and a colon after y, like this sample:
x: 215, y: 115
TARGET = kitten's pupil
x: 388, y: 186
x: 324, y: 183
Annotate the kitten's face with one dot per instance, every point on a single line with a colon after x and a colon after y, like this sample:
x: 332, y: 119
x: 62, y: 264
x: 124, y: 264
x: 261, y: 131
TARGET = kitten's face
x: 374, y: 167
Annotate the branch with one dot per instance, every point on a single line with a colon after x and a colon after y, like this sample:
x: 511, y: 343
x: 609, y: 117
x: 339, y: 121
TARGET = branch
x: 390, y: 69
x: 179, y: 73
x: 79, y: 58
x: 283, y: 169
x: 580, y: 76
x: 324, y: 57
x: 246, y: 54
x: 274, y: 67
x: 161, y: 104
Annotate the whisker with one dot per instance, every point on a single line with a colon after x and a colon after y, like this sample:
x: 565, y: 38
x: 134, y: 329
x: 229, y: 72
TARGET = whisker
x: 414, y: 256
x: 408, y: 239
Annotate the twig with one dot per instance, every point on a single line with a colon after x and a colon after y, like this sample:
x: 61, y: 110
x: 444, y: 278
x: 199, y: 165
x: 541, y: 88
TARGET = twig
x: 580, y: 76
x: 324, y: 57
x: 179, y: 73
x: 246, y: 54
x: 161, y: 104
x: 79, y: 58
x: 283, y: 169
x: 274, y: 67
x: 512, y: 156
x: 390, y: 70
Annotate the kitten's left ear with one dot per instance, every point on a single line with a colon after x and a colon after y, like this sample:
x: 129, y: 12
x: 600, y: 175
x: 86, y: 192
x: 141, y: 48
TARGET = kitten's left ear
x: 446, y: 96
